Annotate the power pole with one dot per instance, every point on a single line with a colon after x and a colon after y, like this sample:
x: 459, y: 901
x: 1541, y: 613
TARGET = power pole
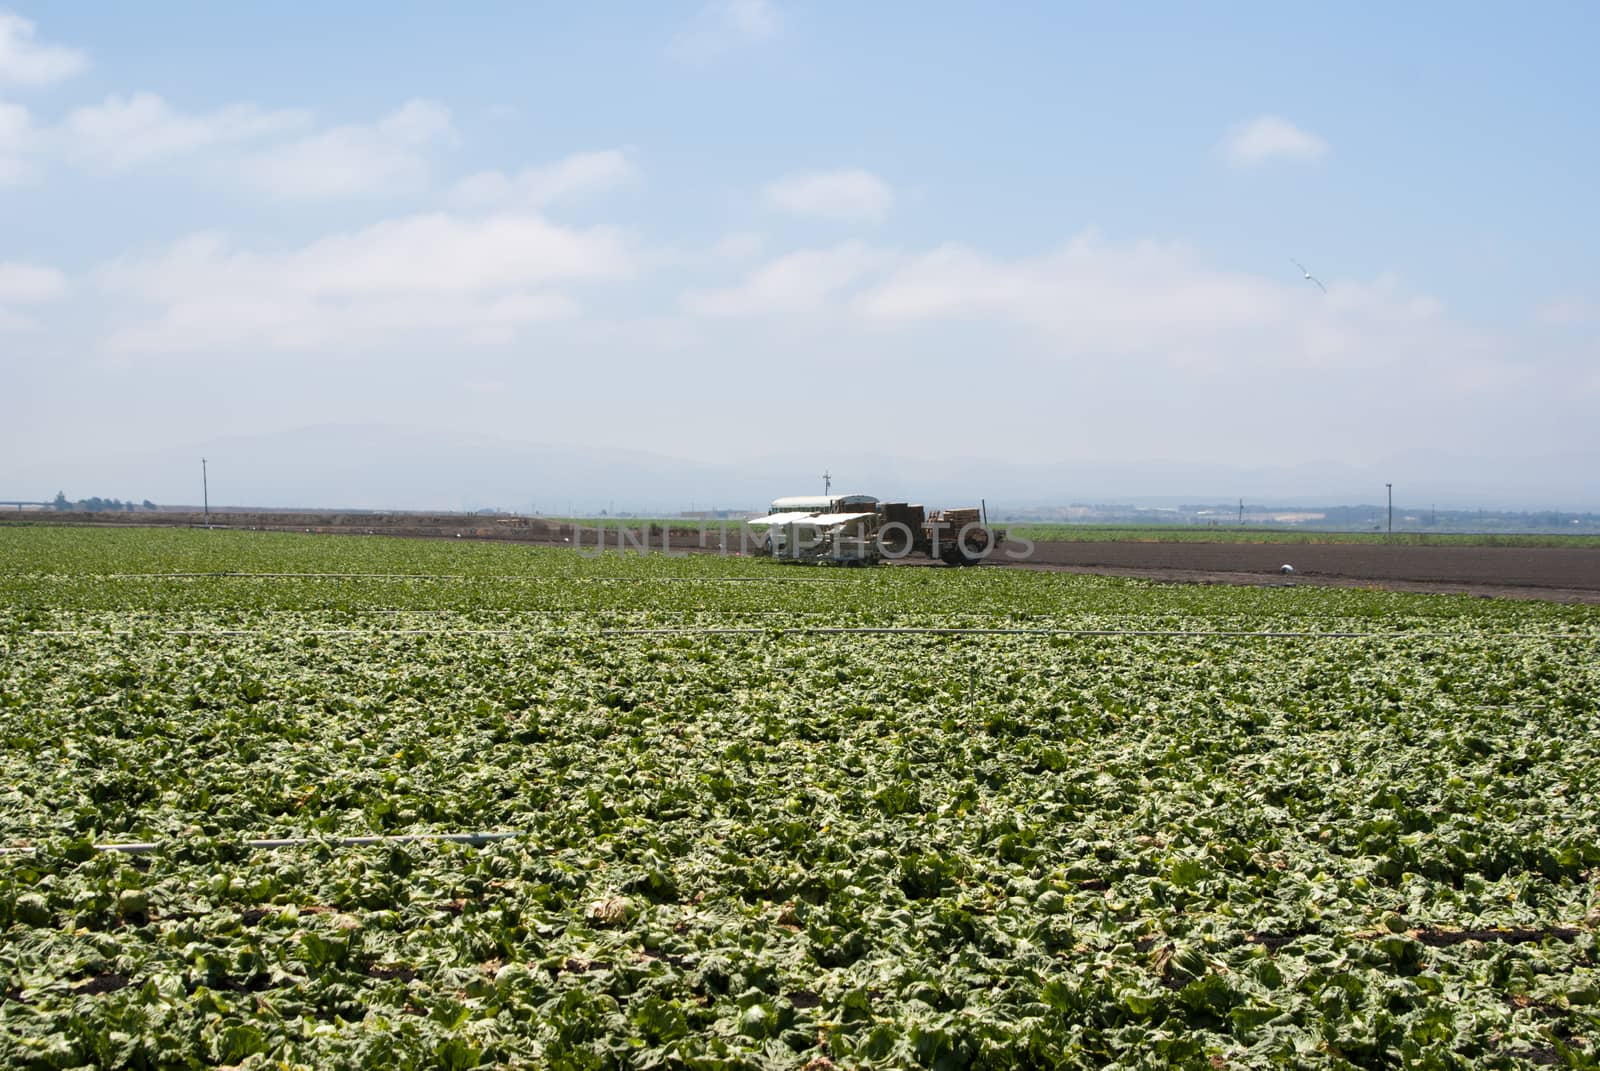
x: 1390, y: 487
x: 205, y: 492
x: 1241, y: 512
x: 827, y: 482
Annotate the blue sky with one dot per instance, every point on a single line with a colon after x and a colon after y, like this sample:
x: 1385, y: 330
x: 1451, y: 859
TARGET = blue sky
x: 239, y: 220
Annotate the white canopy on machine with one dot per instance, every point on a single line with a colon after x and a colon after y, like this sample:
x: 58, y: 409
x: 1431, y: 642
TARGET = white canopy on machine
x: 781, y: 519
x: 807, y: 520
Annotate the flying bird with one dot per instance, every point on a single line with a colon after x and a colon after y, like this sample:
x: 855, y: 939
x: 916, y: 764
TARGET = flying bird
x: 1308, y: 275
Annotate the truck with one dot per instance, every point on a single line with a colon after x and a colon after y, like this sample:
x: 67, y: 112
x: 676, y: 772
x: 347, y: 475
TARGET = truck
x: 860, y: 530
x: 953, y: 536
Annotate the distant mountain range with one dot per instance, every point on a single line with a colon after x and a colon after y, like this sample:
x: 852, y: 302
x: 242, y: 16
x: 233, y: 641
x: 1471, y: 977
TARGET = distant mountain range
x: 395, y: 467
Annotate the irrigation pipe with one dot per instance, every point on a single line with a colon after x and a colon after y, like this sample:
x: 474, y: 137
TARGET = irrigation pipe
x: 444, y: 576
x: 560, y: 611
x: 915, y: 630
x: 147, y: 847
x: 821, y: 630
x: 818, y: 630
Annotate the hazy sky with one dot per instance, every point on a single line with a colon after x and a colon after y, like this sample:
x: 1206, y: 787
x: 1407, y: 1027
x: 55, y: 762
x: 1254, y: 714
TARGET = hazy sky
x: 760, y: 228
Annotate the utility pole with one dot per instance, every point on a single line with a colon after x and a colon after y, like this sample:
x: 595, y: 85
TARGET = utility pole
x: 205, y: 492
x: 1241, y: 512
x: 827, y: 482
x: 1390, y: 487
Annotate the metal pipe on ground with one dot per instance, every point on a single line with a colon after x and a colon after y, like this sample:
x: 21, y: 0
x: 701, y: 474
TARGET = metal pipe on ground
x: 476, y: 840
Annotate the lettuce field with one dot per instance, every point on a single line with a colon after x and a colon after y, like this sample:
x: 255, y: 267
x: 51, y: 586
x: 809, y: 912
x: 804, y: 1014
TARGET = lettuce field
x: 757, y: 816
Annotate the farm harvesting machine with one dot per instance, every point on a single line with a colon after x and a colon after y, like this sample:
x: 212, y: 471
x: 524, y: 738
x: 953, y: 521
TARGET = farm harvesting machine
x: 860, y: 530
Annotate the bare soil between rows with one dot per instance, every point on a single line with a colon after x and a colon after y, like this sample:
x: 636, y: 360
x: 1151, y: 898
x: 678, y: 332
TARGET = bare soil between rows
x: 1559, y: 574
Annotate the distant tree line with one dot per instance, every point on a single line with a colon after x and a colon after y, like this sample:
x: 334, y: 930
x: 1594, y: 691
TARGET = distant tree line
x: 99, y: 505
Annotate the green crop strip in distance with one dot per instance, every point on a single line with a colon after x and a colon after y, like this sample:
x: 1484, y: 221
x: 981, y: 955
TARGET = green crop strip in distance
x: 1123, y: 827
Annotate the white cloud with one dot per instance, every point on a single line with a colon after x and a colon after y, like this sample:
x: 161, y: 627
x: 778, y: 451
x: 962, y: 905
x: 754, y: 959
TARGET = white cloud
x: 478, y: 279
x: 1124, y: 297
x: 16, y: 126
x: 795, y: 282
x: 391, y: 155
x: 1271, y: 138
x: 26, y: 284
x: 1094, y: 340
x: 1162, y: 303
x: 123, y: 131
x: 848, y: 196
x: 29, y: 284
x: 23, y: 61
x: 543, y: 184
x: 1156, y: 305
x: 16, y: 140
x: 1568, y: 310
x: 725, y: 25
x: 741, y: 245
x: 754, y: 20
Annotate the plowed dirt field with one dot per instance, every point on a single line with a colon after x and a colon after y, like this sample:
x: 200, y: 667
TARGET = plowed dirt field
x: 1565, y: 574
